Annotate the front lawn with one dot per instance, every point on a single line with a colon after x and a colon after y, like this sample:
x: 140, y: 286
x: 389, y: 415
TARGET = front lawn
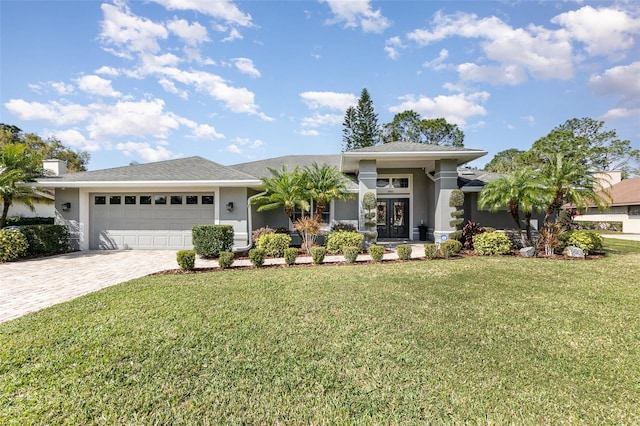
x: 476, y: 340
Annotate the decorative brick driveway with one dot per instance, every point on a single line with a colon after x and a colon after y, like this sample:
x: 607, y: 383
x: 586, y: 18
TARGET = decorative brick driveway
x: 30, y: 285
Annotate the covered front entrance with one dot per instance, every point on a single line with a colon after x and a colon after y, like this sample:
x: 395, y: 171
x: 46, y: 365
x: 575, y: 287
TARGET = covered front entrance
x: 393, y: 218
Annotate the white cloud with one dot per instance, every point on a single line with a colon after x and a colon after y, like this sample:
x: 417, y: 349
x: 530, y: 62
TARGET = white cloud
x: 204, y: 131
x: 245, y: 66
x: 170, y: 87
x: 124, y: 30
x: 529, y: 119
x: 245, y: 147
x: 331, y: 100
x: 540, y: 52
x: 622, y: 81
x: 59, y: 87
x: 192, y: 34
x: 308, y: 132
x: 438, y: 63
x: 73, y: 138
x: 54, y: 112
x: 233, y: 148
x: 454, y: 108
x: 95, y: 85
x: 604, y: 31
x: 234, y: 34
x: 224, y: 10
x: 106, y: 70
x: 145, y: 150
x: 620, y: 113
x: 392, y: 47
x: 318, y: 120
x: 357, y: 13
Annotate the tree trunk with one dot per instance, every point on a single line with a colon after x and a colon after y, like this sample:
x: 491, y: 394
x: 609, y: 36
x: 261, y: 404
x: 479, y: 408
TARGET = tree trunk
x: 513, y: 211
x: 5, y: 212
x: 527, y: 220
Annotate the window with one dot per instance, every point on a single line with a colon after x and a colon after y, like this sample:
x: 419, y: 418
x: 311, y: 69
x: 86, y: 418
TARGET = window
x: 115, y: 199
x: 393, y: 184
x: 192, y: 199
x: 326, y: 214
x: 160, y: 199
x: 100, y: 200
x: 145, y: 199
x: 207, y: 199
x: 176, y: 199
x: 129, y: 199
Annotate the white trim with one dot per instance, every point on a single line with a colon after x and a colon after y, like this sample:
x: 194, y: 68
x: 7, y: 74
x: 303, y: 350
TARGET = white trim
x: 149, y: 184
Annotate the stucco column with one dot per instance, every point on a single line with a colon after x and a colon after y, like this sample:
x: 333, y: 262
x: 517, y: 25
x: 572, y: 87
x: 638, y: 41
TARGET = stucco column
x: 446, y: 180
x: 367, y: 177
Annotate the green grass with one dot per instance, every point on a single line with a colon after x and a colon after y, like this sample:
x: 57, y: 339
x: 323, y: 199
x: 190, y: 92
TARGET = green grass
x: 474, y: 340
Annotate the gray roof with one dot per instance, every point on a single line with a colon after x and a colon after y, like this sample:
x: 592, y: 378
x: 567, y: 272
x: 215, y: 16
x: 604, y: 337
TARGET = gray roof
x: 409, y: 147
x: 470, y: 178
x: 182, y: 169
x: 261, y: 168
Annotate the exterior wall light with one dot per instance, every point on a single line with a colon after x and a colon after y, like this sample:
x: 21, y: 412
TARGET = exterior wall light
x: 65, y: 207
x: 230, y: 206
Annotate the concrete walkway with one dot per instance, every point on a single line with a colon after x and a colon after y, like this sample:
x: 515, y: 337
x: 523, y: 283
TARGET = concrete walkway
x: 30, y: 285
x: 632, y: 237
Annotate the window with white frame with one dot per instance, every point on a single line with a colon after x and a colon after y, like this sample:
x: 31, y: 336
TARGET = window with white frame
x: 326, y: 214
x: 393, y: 184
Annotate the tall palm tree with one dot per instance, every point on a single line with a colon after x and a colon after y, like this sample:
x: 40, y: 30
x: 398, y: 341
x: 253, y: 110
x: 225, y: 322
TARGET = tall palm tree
x: 285, y: 190
x: 324, y: 184
x: 518, y: 191
x: 17, y: 166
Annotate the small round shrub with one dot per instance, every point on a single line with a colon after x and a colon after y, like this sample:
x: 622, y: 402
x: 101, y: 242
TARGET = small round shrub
x: 453, y: 246
x: 318, y: 254
x: 290, y: 255
x: 226, y: 259
x: 350, y: 253
x: 588, y: 241
x: 256, y: 256
x: 491, y: 243
x: 430, y: 250
x: 376, y: 252
x: 273, y: 244
x: 257, y: 233
x: 186, y: 259
x: 210, y: 240
x: 404, y: 251
x: 13, y: 245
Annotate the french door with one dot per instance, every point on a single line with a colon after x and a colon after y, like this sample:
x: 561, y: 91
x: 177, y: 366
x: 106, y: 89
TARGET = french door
x: 393, y: 218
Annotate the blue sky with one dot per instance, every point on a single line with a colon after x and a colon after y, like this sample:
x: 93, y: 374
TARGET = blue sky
x: 242, y: 81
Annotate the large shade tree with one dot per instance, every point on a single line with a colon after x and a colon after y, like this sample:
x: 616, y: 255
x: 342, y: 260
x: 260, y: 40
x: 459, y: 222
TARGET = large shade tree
x: 409, y: 126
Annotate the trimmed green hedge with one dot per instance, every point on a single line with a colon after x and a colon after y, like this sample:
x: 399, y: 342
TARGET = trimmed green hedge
x: 350, y: 253
x: 186, y: 259
x: 290, y: 255
x: 404, y: 251
x: 274, y: 244
x: 209, y: 240
x: 226, y: 259
x: 588, y: 241
x: 490, y: 243
x: 46, y: 240
x: 22, y: 221
x: 337, y: 240
x: 318, y: 254
x: 376, y: 252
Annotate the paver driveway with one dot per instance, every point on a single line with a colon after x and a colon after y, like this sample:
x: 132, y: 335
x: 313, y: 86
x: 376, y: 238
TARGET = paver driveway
x: 30, y: 285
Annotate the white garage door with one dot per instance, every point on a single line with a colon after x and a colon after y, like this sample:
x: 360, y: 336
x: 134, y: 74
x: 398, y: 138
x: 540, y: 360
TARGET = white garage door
x: 147, y: 221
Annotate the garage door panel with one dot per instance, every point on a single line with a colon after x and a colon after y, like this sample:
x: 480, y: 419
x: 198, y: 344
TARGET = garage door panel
x: 143, y: 226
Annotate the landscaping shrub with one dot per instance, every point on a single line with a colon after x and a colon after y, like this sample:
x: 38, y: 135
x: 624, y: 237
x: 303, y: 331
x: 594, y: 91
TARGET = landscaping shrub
x: 186, y: 259
x: 274, y: 244
x: 13, y: 245
x: 257, y: 233
x: 469, y: 230
x: 339, y: 239
x: 491, y: 243
x: 225, y: 260
x: 350, y: 253
x: 22, y: 221
x: 309, y: 229
x: 210, y: 240
x: 430, y: 250
x: 317, y: 254
x: 404, y: 251
x: 452, y: 246
x: 46, y: 239
x: 256, y: 256
x: 290, y: 255
x: 376, y: 252
x: 341, y: 226
x: 588, y: 241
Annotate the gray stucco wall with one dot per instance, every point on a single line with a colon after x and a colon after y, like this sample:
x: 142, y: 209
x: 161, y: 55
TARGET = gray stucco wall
x: 68, y: 195
x: 236, y: 218
x: 499, y: 220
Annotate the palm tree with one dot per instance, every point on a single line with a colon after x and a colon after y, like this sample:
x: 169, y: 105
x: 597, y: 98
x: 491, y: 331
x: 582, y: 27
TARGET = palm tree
x: 324, y: 184
x: 17, y: 166
x: 285, y: 190
x: 518, y: 191
x: 569, y: 181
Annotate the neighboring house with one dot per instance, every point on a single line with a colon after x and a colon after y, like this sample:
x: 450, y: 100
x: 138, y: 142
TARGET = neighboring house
x: 41, y: 208
x: 155, y: 205
x: 625, y: 203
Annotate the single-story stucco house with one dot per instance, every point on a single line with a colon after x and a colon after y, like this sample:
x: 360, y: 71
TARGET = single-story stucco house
x: 624, y: 195
x: 155, y: 205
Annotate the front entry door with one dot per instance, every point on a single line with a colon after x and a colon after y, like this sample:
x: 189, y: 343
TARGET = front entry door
x: 393, y: 218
